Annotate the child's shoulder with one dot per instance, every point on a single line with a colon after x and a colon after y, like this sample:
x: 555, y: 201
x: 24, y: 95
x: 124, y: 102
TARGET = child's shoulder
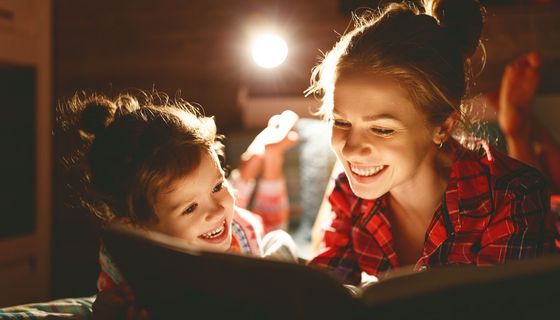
x: 247, y: 231
x: 247, y: 218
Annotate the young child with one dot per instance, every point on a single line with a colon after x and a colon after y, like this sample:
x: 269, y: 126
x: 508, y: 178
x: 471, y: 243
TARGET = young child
x: 411, y: 193
x: 156, y: 165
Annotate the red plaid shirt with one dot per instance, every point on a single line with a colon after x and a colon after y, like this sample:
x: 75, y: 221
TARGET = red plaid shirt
x: 494, y: 209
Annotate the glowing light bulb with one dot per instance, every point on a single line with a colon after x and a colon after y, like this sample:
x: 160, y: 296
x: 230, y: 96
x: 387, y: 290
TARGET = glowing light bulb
x: 269, y: 51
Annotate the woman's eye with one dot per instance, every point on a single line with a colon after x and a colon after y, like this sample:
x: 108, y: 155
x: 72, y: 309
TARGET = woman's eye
x: 190, y: 209
x: 383, y: 132
x: 218, y: 187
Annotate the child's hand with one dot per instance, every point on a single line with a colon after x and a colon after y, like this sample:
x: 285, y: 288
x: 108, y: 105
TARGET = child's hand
x: 114, y: 304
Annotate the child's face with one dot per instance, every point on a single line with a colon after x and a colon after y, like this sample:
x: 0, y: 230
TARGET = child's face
x: 382, y: 140
x: 198, y: 208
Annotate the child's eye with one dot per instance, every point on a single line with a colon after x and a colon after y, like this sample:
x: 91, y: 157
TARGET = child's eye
x: 341, y: 124
x: 218, y: 187
x: 382, y: 132
x: 190, y: 209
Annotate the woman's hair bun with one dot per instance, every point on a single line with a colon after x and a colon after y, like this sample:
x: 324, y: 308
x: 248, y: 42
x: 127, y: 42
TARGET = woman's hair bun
x: 97, y: 114
x: 462, y: 20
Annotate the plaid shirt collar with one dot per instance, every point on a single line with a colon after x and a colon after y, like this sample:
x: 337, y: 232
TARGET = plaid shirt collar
x: 461, y: 197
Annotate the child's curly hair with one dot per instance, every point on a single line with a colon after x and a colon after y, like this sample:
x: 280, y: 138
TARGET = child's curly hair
x: 133, y: 147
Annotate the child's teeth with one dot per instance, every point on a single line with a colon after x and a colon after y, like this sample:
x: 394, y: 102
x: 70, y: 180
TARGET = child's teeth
x: 214, y: 233
x: 366, y: 172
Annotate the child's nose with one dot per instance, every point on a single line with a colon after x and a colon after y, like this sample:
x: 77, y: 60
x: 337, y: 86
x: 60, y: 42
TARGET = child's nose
x: 216, y: 211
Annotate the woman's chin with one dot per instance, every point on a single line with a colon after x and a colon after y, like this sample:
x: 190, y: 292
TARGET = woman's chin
x: 368, y: 194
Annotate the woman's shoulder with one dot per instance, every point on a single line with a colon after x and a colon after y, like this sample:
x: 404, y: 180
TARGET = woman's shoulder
x: 487, y: 185
x: 502, y: 173
x: 484, y: 180
x: 511, y: 175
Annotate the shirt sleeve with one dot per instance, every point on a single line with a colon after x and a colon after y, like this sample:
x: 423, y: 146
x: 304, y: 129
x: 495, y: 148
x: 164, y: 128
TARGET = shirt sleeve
x: 521, y: 228
x: 337, y: 255
x: 247, y: 232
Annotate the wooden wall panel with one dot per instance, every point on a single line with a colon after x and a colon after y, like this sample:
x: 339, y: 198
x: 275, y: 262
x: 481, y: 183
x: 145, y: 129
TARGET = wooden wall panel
x: 512, y: 31
x: 195, y: 46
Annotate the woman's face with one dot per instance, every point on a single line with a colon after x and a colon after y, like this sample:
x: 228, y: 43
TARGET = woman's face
x: 198, y: 208
x: 380, y: 137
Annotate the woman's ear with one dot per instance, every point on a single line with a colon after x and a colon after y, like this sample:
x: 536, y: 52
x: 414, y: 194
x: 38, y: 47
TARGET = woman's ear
x: 444, y: 130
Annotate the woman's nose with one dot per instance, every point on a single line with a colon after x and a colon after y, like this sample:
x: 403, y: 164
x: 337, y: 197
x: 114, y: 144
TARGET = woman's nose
x: 356, y: 145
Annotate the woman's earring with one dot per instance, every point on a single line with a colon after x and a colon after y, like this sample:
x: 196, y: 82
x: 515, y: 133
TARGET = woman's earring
x: 442, y: 141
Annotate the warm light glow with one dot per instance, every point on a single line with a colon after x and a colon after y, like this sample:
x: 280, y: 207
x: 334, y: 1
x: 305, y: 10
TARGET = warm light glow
x: 269, y: 51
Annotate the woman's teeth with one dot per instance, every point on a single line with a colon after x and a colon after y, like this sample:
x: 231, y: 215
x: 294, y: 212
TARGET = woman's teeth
x: 366, y: 172
x: 215, y: 233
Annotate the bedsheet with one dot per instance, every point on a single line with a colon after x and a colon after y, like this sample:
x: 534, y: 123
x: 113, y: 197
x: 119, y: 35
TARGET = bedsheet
x: 71, y: 308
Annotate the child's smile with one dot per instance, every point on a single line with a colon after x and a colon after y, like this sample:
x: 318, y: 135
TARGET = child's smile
x: 216, y: 235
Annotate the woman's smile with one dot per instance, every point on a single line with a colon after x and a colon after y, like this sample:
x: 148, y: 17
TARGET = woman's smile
x: 365, y: 171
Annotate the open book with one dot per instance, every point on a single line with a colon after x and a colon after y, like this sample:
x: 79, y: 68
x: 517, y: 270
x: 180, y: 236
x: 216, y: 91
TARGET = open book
x: 174, y: 282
